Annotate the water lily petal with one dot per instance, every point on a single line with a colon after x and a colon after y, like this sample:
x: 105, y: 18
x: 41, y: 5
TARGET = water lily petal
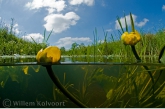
x: 130, y: 38
x: 39, y: 55
x: 51, y: 54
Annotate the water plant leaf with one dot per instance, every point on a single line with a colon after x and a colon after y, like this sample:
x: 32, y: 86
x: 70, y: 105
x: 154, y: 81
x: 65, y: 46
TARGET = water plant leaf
x: 109, y: 94
x: 4, y: 80
x: 46, y: 40
x: 36, y: 69
x: 126, y: 26
x: 105, y: 81
x: 118, y: 19
x: 2, y: 84
x: 44, y: 34
x: 14, y: 77
x: 49, y: 35
x: 112, y: 38
x: 162, y: 60
x: 33, y: 40
x: 25, y: 69
x: 132, y: 23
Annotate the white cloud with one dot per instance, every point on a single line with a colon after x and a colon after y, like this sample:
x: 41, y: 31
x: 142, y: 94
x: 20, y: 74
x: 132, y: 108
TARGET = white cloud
x: 68, y: 41
x: 163, y: 7
x: 142, y: 23
x: 15, y: 29
x: 60, y: 22
x: 50, y: 10
x: 36, y: 36
x: 122, y: 19
x: 78, y: 2
x: 50, y: 4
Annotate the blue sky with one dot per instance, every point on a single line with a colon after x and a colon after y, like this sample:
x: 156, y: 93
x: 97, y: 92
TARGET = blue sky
x: 75, y: 20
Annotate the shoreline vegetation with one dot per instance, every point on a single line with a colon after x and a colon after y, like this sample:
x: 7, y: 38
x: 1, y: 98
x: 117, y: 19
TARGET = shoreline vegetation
x: 149, y: 46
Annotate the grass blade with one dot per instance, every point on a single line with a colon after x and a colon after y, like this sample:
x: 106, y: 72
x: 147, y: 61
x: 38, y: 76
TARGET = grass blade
x: 132, y: 23
x: 126, y: 23
x: 44, y: 34
x: 49, y: 35
x: 33, y: 40
x: 118, y: 19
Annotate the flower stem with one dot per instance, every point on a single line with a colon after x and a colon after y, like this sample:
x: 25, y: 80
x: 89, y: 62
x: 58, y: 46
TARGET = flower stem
x: 138, y: 59
x: 161, y: 53
x: 160, y: 56
x: 135, y: 53
x: 62, y: 88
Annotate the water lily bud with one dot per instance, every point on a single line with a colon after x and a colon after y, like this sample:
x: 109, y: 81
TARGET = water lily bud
x: 38, y: 55
x: 51, y: 54
x: 130, y: 38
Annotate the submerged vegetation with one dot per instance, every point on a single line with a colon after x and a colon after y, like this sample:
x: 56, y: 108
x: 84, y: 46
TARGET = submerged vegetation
x: 125, y: 86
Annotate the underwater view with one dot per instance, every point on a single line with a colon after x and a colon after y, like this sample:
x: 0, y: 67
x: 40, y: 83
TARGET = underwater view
x: 94, y: 84
x: 122, y: 68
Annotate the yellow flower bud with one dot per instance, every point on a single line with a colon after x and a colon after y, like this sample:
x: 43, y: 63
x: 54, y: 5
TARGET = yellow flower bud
x: 51, y: 54
x: 38, y: 55
x: 130, y: 38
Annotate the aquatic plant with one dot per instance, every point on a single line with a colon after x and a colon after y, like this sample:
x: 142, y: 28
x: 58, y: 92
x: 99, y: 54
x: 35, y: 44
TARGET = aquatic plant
x: 130, y: 88
x: 132, y: 39
x: 44, y: 42
x: 51, y: 54
x: 18, y: 74
x: 83, y: 92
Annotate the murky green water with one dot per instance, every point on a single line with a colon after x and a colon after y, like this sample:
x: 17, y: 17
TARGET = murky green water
x: 94, y: 84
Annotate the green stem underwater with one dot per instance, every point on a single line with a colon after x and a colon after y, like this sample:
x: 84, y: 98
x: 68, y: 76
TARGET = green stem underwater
x: 160, y: 56
x: 138, y: 59
x: 62, y: 88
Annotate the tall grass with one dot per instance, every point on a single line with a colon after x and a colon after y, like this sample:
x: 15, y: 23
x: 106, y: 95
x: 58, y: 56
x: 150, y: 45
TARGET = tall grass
x: 148, y: 48
x: 11, y: 44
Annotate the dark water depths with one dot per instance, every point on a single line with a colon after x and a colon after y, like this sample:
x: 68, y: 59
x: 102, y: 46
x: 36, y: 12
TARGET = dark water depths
x: 104, y: 84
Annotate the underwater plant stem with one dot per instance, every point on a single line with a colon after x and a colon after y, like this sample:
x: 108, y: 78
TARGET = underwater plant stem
x: 137, y: 95
x: 160, y: 56
x: 138, y: 59
x: 61, y: 87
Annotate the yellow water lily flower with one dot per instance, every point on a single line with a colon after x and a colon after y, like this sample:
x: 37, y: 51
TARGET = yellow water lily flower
x: 130, y: 38
x: 51, y: 54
